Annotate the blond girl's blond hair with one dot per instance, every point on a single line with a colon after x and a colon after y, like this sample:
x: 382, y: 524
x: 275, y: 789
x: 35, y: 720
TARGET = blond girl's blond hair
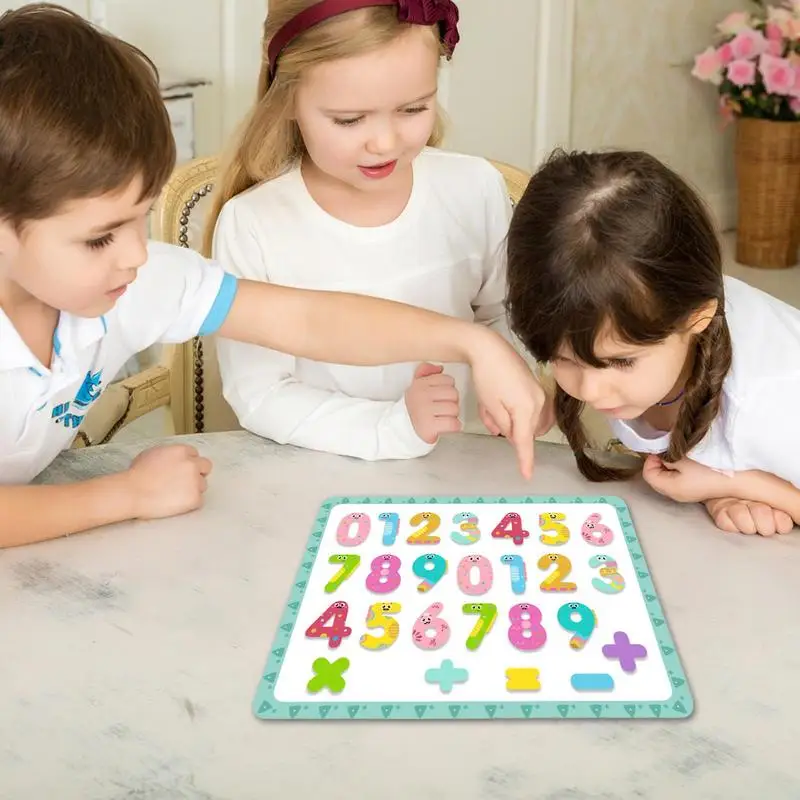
x: 269, y: 141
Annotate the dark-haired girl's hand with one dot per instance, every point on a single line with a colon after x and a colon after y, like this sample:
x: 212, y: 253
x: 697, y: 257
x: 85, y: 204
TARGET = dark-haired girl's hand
x: 744, y: 516
x: 685, y: 481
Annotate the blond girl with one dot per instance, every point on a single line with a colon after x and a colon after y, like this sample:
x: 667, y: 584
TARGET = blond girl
x: 335, y: 182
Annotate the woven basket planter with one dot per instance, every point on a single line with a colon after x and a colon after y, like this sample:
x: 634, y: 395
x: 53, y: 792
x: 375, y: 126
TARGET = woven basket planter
x: 768, y: 177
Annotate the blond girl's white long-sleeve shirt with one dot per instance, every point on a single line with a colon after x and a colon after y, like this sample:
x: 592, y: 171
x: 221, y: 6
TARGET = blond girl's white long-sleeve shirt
x: 445, y: 252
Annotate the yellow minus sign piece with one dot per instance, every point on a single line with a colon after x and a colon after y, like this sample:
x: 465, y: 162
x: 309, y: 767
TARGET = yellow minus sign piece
x: 522, y: 680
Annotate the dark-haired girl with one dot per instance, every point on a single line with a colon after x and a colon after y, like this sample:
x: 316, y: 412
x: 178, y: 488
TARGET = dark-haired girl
x: 615, y: 279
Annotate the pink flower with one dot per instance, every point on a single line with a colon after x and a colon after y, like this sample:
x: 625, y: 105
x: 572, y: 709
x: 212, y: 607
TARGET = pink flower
x: 725, y: 53
x: 748, y: 44
x: 775, y: 48
x: 736, y: 22
x: 708, y: 67
x: 778, y: 18
x: 774, y: 32
x: 778, y: 73
x: 742, y: 72
x: 775, y: 41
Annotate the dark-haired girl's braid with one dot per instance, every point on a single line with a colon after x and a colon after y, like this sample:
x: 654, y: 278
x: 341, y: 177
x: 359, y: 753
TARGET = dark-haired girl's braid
x: 568, y: 417
x: 703, y: 389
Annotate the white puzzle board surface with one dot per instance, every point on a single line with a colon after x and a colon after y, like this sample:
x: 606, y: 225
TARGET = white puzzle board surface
x: 473, y: 640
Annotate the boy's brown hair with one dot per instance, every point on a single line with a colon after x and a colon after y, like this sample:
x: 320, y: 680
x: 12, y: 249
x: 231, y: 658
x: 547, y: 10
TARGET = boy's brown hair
x: 81, y: 114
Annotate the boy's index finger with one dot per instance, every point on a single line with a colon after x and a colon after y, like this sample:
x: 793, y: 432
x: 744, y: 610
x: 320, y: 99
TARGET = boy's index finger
x: 522, y: 437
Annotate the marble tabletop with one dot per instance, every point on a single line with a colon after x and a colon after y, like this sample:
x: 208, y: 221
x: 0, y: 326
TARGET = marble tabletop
x: 131, y: 655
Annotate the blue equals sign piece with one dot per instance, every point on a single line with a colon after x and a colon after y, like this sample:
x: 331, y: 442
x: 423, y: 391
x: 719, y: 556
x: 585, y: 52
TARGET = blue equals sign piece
x: 592, y: 682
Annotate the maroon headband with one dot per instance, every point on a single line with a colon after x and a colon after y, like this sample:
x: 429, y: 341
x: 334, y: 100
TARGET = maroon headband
x: 416, y: 12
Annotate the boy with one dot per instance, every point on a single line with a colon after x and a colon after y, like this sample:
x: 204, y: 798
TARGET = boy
x: 85, y: 148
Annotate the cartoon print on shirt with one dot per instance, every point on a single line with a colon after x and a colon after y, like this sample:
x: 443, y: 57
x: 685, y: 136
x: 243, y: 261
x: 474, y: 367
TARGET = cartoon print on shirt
x: 90, y: 390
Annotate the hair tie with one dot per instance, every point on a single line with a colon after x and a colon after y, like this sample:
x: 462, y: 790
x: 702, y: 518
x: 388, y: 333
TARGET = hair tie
x: 414, y: 12
x: 674, y: 400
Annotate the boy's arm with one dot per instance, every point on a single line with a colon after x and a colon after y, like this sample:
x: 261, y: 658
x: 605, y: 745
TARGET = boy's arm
x: 319, y: 325
x: 31, y: 514
x: 161, y: 482
x: 352, y: 329
x: 345, y: 328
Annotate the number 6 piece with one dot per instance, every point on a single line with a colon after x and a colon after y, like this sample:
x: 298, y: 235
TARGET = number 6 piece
x: 473, y: 608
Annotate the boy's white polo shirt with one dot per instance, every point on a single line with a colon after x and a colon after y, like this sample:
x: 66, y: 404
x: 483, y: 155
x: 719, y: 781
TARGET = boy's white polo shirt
x: 176, y: 295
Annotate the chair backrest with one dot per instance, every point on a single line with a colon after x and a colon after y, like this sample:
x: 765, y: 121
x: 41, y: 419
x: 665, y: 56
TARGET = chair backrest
x: 178, y: 218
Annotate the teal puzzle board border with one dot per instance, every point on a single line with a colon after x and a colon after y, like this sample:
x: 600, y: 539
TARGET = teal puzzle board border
x: 680, y: 705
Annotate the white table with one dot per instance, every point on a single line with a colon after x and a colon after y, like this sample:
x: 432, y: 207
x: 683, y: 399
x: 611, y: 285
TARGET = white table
x: 130, y: 656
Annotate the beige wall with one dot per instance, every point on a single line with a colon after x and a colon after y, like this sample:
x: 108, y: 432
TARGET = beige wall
x: 632, y: 88
x: 216, y: 40
x: 490, y: 113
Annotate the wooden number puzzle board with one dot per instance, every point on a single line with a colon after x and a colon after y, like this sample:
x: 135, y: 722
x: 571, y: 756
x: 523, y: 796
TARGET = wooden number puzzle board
x: 473, y: 608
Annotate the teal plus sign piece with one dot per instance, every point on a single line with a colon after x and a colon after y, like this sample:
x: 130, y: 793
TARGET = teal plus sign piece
x: 447, y: 676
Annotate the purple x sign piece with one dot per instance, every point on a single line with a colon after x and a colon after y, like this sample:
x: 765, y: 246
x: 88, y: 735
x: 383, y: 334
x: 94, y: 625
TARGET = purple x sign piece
x: 625, y: 652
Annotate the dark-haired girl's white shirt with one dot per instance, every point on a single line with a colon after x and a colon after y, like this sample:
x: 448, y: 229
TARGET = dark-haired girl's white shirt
x: 758, y: 427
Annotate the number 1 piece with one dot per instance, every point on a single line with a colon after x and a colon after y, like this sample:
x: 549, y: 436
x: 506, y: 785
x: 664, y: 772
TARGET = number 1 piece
x: 519, y: 575
x: 392, y: 523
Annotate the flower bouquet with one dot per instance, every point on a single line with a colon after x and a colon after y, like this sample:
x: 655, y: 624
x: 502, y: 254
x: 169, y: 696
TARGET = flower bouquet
x: 755, y: 65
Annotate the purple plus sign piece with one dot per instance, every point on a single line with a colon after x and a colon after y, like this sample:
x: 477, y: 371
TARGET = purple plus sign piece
x: 624, y: 651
